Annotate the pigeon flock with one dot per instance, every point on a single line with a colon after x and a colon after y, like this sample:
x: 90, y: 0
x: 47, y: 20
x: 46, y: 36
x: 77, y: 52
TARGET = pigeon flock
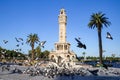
x: 5, y: 41
x: 20, y: 43
x: 54, y: 72
x: 41, y: 44
x: 81, y: 45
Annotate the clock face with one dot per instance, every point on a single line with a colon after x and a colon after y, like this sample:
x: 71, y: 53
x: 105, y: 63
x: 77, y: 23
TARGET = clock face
x: 62, y: 18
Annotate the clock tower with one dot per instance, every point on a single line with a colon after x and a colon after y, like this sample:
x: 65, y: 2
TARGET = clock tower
x: 62, y: 47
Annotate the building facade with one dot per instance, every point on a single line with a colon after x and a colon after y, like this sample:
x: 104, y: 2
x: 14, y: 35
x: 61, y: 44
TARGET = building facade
x: 62, y: 47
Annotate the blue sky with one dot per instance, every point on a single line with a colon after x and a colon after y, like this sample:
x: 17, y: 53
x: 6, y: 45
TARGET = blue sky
x: 19, y: 18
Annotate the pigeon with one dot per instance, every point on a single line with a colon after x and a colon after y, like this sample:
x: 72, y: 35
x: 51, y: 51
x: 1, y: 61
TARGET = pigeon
x: 94, y: 72
x: 109, y: 36
x: 42, y: 43
x: 18, y: 49
x: 21, y: 39
x: 80, y: 45
x: 5, y: 41
x: 17, y: 39
x: 17, y: 45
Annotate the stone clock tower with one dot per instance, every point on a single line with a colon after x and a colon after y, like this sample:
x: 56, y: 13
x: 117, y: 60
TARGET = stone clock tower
x: 62, y: 47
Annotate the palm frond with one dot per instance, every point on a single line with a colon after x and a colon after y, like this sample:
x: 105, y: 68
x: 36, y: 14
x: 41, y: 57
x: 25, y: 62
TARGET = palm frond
x: 98, y: 20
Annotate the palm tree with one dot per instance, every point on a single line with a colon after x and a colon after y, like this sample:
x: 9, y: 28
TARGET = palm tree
x: 32, y: 39
x: 98, y: 20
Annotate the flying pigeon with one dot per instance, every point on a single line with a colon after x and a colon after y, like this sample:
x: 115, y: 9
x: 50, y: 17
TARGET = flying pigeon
x: 17, y: 45
x: 17, y: 39
x: 18, y: 49
x: 5, y: 41
x: 42, y: 43
x: 109, y: 36
x: 21, y: 39
x: 80, y: 45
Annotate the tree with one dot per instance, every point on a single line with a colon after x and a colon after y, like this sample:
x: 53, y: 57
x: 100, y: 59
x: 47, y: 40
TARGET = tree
x: 37, y: 52
x: 97, y: 20
x: 32, y: 39
x: 113, y: 56
x: 45, y: 54
x: 84, y: 53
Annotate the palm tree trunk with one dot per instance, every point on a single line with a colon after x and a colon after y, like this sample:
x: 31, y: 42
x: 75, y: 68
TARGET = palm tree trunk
x: 100, y: 44
x: 32, y: 52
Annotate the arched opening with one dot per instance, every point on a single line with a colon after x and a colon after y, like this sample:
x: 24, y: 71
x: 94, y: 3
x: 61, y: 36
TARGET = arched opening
x: 59, y: 59
x: 52, y: 57
x: 72, y: 56
x: 68, y: 57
